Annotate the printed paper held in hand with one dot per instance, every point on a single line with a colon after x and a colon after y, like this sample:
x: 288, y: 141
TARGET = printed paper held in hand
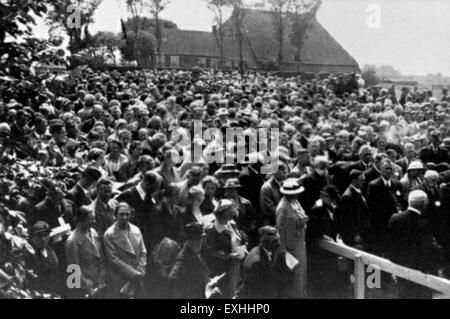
x: 291, y: 261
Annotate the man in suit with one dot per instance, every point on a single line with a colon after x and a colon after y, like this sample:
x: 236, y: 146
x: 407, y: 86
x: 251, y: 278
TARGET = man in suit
x: 265, y: 273
x: 412, y: 244
x: 251, y: 181
x: 84, y: 249
x: 355, y: 212
x: 80, y: 194
x: 374, y: 172
x: 365, y: 160
x: 52, y: 208
x: 435, y: 213
x: 141, y: 200
x: 434, y: 153
x: 314, y: 183
x: 126, y: 256
x: 325, y: 223
x: 189, y: 277
x: 270, y: 195
x: 385, y: 198
x: 101, y: 206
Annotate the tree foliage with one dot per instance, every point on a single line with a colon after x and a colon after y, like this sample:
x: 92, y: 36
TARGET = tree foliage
x: 369, y: 74
x: 303, y: 13
x: 74, y: 18
x: 217, y: 8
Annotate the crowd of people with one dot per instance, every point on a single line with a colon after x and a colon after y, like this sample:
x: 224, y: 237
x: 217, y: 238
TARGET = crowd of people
x: 94, y: 205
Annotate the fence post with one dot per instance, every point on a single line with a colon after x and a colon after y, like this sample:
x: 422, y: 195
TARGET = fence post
x: 360, y: 278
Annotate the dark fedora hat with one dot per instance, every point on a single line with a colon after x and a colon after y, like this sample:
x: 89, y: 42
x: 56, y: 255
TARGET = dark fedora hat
x: 194, y: 231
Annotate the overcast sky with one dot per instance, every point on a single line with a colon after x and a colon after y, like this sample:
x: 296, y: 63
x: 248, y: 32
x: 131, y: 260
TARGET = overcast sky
x: 413, y: 35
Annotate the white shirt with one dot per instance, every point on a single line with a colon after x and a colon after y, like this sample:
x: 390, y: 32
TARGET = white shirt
x: 269, y: 254
x: 356, y: 189
x: 387, y: 183
x: 141, y: 192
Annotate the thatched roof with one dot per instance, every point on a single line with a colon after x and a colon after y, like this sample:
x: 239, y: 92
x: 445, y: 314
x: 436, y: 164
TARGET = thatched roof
x: 320, y: 47
x: 321, y: 52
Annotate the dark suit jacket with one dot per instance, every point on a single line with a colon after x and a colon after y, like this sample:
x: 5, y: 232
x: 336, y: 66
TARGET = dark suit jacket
x: 251, y: 184
x: 79, y: 197
x: 104, y: 216
x: 435, y: 214
x: 45, y: 211
x: 411, y: 242
x: 428, y: 155
x: 355, y: 215
x: 264, y: 278
x: 269, y: 198
x: 189, y: 275
x: 144, y: 214
x: 314, y: 184
x: 383, y: 203
x: 321, y: 223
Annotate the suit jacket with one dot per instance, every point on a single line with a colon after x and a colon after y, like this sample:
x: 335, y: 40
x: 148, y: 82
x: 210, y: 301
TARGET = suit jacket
x: 383, y: 203
x: 264, y: 278
x: 251, y: 183
x: 79, y: 197
x: 47, y: 212
x: 269, y: 198
x: 435, y: 214
x: 313, y: 183
x: 88, y: 255
x: 322, y: 223
x: 170, y: 223
x: 104, y: 216
x: 355, y: 215
x: 189, y: 275
x: 411, y: 241
x: 248, y: 221
x: 144, y: 214
x: 429, y: 155
x: 125, y: 255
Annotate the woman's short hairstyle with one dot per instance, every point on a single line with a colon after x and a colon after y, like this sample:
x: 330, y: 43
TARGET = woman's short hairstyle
x: 194, y: 192
x: 210, y: 179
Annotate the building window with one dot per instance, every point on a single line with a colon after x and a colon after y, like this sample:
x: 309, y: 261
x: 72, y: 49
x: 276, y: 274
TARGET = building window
x: 175, y: 61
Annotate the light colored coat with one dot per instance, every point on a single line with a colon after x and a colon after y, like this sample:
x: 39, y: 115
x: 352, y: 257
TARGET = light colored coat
x: 291, y: 224
x: 88, y: 255
x: 126, y: 255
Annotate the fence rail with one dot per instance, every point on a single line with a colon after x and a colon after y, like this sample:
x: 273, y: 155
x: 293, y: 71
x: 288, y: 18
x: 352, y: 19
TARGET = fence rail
x: 362, y: 258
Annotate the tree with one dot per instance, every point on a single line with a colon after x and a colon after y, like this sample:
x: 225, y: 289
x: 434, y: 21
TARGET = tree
x: 280, y: 10
x: 136, y: 9
x: 148, y: 24
x: 74, y: 18
x: 303, y: 12
x: 106, y: 44
x: 217, y: 7
x: 156, y: 7
x: 239, y: 8
x: 369, y: 74
x: 141, y: 48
